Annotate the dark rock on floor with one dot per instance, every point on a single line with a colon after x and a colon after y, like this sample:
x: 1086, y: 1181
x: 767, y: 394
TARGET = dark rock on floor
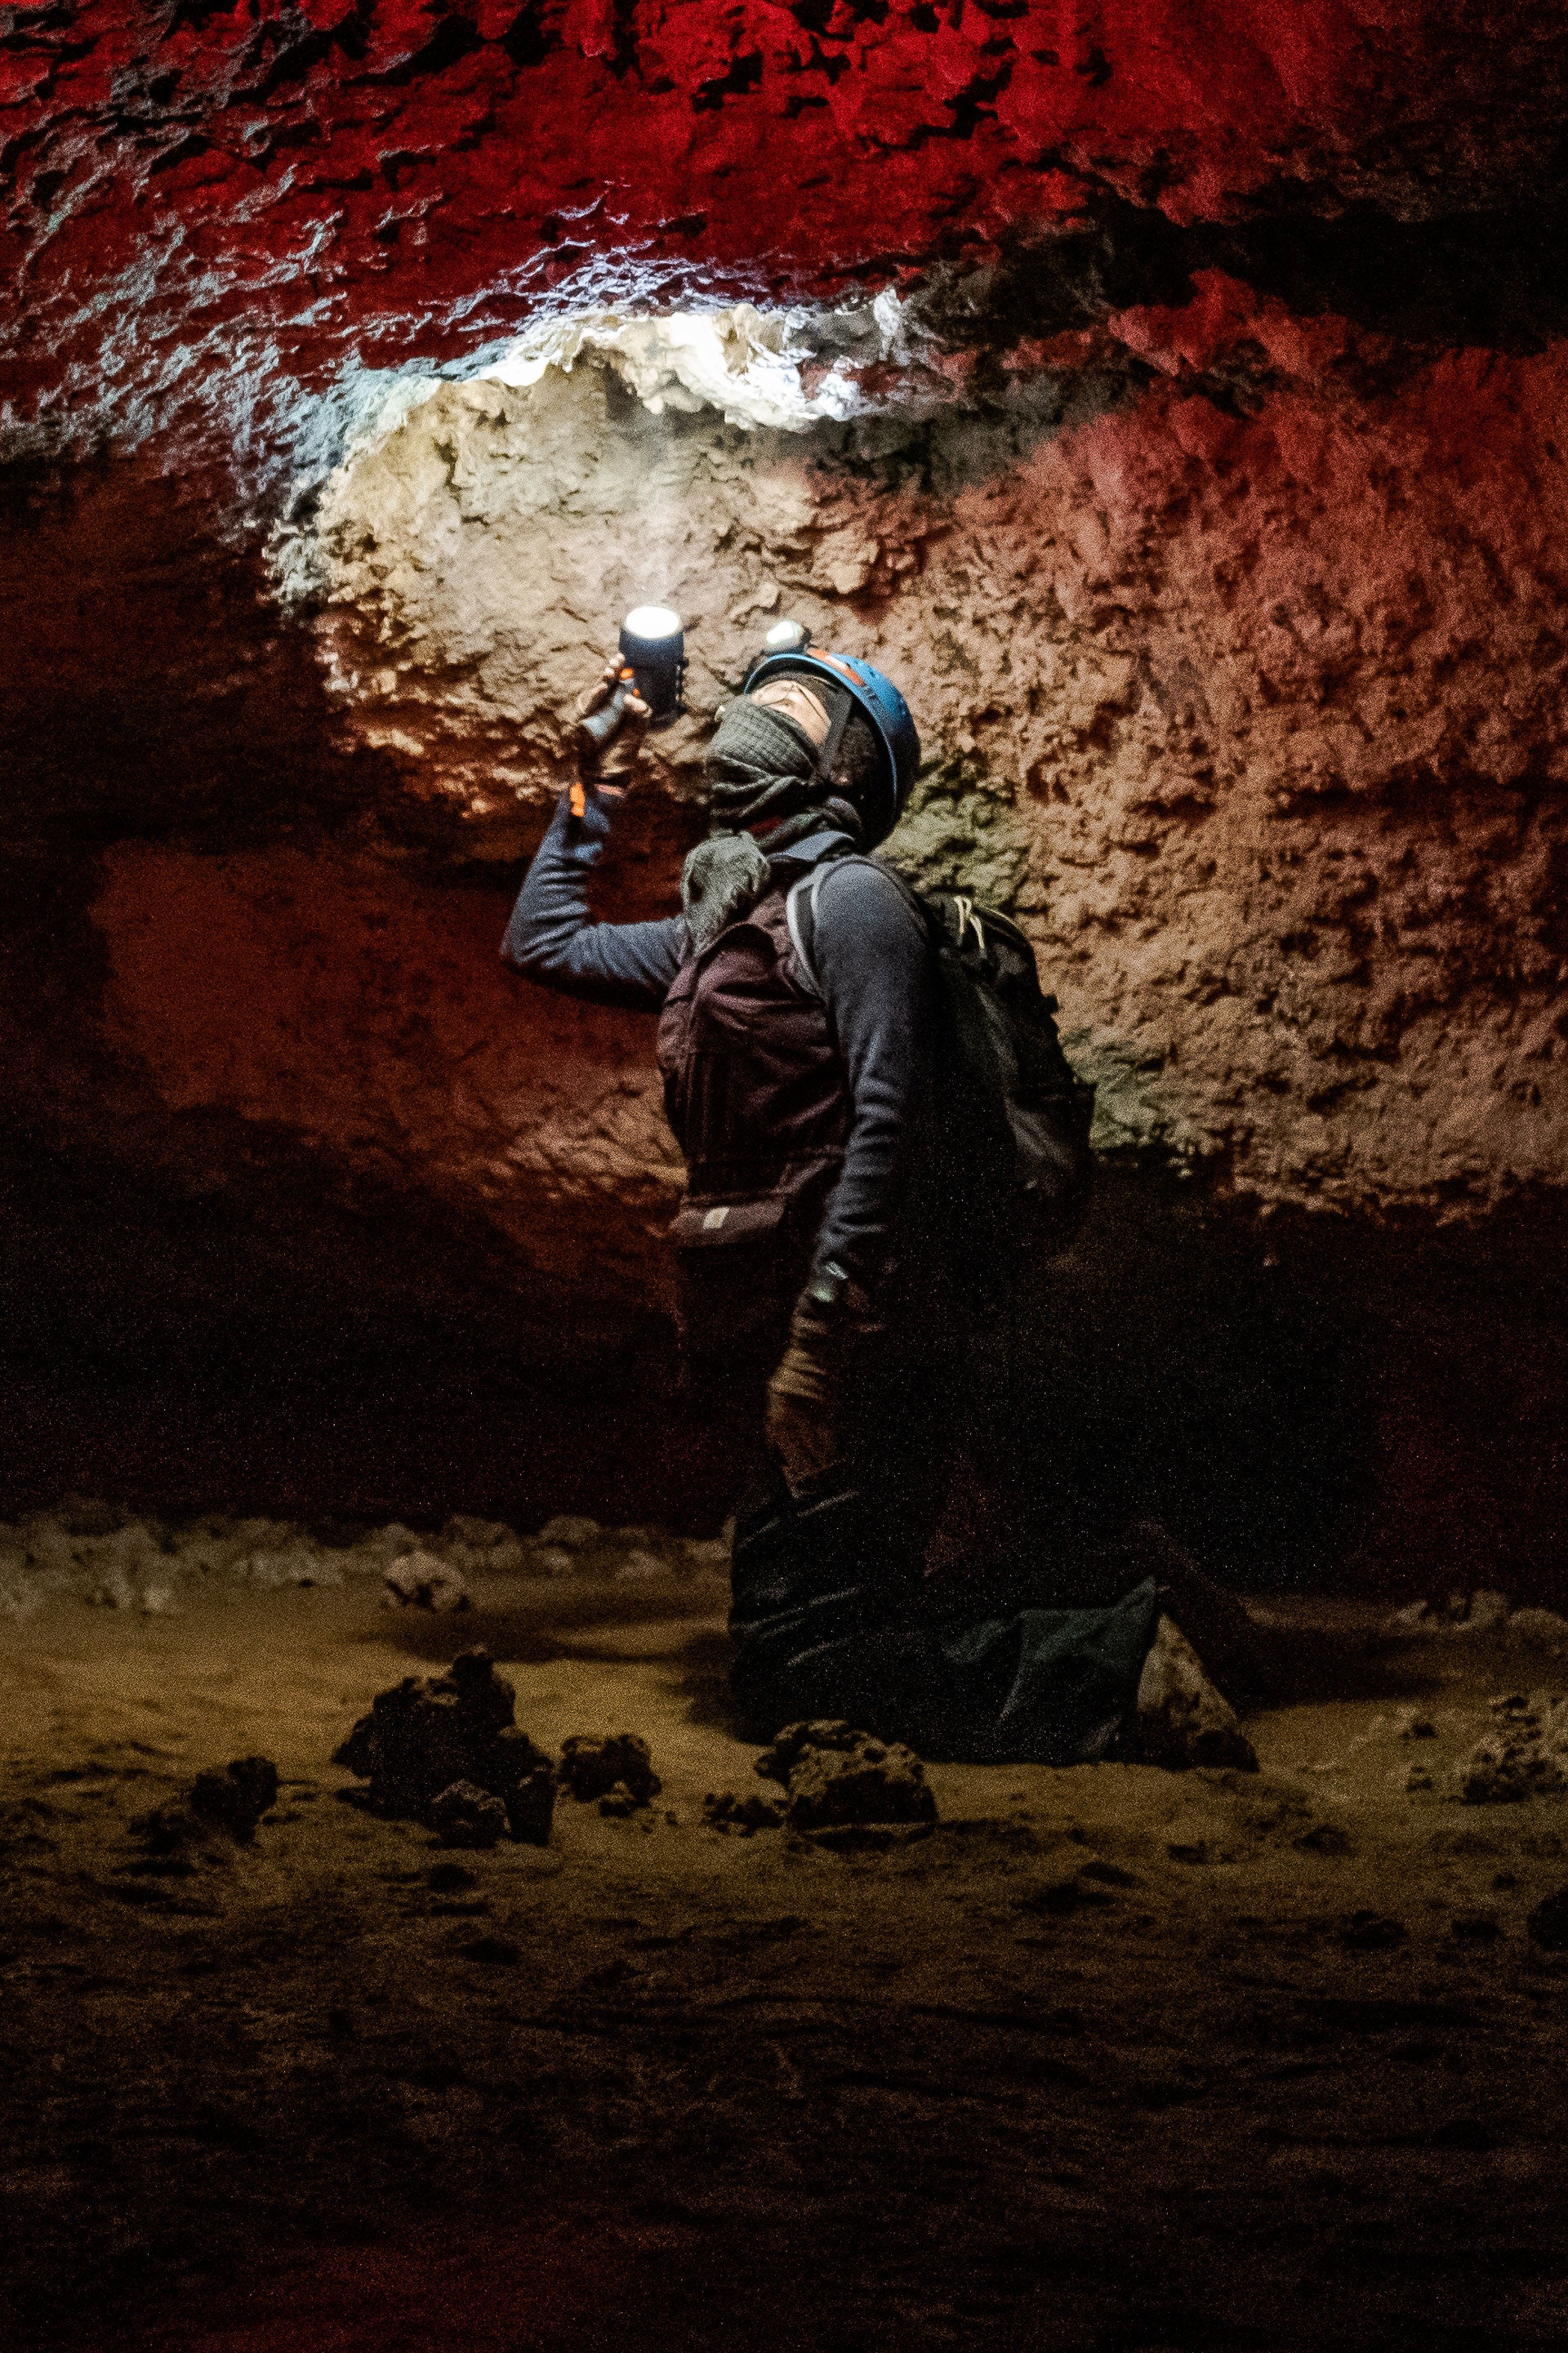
x: 726, y: 1811
x: 428, y: 1733
x: 466, y: 1815
x: 1548, y: 1924
x: 837, y: 1778
x: 591, y: 1768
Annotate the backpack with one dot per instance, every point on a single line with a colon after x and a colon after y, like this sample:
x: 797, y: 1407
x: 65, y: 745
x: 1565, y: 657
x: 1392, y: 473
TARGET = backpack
x: 1012, y: 1164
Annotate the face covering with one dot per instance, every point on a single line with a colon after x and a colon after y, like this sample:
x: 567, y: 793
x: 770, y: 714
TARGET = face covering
x: 760, y: 767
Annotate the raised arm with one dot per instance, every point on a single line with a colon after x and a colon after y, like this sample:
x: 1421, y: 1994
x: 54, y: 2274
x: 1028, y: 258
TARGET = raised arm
x: 550, y: 939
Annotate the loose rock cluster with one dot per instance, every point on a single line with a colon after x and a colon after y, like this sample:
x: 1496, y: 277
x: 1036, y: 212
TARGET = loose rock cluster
x: 232, y: 1799
x: 1525, y: 1755
x: 448, y: 1749
x: 1484, y: 1610
x: 839, y: 1783
x: 616, y: 1771
x: 90, y: 1551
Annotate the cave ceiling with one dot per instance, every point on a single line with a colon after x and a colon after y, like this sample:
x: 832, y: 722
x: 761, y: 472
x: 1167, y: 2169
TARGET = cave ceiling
x: 208, y: 202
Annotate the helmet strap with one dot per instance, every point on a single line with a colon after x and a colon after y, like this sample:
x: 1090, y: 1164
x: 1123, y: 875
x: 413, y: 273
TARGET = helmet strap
x: 841, y: 704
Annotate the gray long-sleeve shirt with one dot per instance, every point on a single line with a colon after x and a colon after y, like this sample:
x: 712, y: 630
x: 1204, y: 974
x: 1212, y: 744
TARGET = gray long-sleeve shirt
x: 873, y: 967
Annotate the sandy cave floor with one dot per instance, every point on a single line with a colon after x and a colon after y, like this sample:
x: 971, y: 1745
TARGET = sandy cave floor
x: 1115, y: 2058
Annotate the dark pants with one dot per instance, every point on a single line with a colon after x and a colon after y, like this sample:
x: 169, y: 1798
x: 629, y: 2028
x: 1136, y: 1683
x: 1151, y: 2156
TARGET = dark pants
x: 833, y: 1612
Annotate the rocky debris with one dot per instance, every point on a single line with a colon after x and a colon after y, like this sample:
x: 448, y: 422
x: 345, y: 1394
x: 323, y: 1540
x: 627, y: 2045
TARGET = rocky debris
x: 1548, y: 1924
x: 1525, y: 1756
x: 166, y: 1829
x: 571, y: 1532
x: 1547, y: 1626
x: 837, y: 1778
x: 618, y: 1767
x: 1183, y: 1719
x: 235, y: 1800
x: 466, y: 1815
x: 529, y: 1788
x: 420, y: 1581
x: 1476, y: 1927
x: 494, y: 1952
x: 428, y: 1733
x: 231, y: 1799
x: 1074, y: 1892
x: 482, y: 1547
x: 88, y: 1551
x: 1415, y: 1725
x: 726, y: 1811
x: 449, y: 1879
x: 1485, y: 1610
x: 572, y: 1546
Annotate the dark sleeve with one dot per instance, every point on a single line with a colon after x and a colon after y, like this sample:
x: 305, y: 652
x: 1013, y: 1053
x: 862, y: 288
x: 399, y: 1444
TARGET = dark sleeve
x: 550, y: 939
x: 874, y: 965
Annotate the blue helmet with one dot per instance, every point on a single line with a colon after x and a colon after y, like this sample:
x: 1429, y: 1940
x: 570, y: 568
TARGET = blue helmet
x: 875, y: 696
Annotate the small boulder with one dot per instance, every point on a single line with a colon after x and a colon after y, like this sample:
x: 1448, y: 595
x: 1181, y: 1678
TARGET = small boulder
x: 1526, y: 1756
x: 834, y: 1789
x: 236, y: 1798
x: 1372, y: 1932
x: 420, y: 1581
x: 466, y: 1815
x: 1542, y: 1626
x: 1495, y: 1773
x: 784, y: 1751
x: 591, y: 1768
x: 570, y: 1533
x: 166, y: 1829
x: 836, y: 1777
x: 426, y: 1734
x: 531, y: 1805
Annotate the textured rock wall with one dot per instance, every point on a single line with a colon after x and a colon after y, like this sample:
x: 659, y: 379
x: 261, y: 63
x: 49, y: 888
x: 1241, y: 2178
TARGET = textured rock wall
x: 1257, y: 719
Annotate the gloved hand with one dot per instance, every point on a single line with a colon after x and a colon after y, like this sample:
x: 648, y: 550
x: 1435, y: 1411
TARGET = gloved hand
x: 807, y: 1394
x: 610, y: 763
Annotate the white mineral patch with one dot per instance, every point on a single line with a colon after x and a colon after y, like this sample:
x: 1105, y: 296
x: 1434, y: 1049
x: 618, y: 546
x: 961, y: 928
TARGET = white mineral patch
x: 752, y: 366
x: 743, y: 361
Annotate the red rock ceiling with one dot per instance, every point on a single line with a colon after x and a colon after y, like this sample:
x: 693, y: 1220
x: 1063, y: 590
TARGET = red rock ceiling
x: 388, y: 172
x: 1351, y: 203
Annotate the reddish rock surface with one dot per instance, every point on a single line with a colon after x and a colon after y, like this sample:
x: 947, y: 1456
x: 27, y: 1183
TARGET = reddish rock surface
x: 278, y: 183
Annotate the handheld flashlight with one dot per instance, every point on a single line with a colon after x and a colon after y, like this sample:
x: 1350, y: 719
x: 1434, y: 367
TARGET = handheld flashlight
x: 652, y: 666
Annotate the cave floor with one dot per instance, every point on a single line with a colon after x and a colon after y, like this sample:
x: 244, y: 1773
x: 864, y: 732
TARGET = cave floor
x: 1115, y: 2058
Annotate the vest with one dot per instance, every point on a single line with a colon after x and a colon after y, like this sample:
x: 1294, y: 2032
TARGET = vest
x: 754, y: 1086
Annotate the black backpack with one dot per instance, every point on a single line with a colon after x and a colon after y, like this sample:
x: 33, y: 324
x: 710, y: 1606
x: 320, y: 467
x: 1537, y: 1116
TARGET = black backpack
x: 1012, y: 1168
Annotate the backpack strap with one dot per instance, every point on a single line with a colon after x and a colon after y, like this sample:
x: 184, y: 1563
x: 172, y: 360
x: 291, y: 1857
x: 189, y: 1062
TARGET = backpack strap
x: 800, y: 915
